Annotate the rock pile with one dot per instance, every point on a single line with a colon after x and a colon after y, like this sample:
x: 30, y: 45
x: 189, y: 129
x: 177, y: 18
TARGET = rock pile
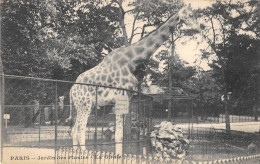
x: 168, y: 140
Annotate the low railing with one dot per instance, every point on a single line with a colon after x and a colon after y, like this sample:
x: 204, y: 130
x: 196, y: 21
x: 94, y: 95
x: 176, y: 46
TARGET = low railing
x: 70, y: 156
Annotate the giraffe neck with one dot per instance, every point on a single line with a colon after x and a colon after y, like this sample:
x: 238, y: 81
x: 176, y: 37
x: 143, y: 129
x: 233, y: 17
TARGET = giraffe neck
x: 143, y: 49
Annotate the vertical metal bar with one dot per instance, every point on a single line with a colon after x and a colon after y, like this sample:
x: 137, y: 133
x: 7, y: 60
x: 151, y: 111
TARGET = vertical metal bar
x: 218, y: 118
x: 192, y: 116
x: 56, y: 113
x: 103, y: 122
x: 138, y: 121
x: 123, y: 140
x: 95, y: 135
x: 148, y: 112
x: 145, y: 132
x: 6, y: 123
x: 40, y: 120
x: 2, y: 130
x: 138, y: 106
x: 149, y: 127
x: 56, y: 117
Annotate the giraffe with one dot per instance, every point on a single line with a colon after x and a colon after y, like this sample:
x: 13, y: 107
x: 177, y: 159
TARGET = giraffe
x: 116, y: 70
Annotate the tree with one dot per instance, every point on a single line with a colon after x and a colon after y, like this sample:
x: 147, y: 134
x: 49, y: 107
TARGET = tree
x: 152, y: 14
x: 207, y: 94
x: 180, y: 73
x: 175, y: 77
x: 51, y: 40
x: 232, y: 31
x: 51, y: 32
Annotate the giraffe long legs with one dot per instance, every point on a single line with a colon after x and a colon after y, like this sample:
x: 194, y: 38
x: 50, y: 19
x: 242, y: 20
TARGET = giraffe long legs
x: 74, y: 133
x: 82, y: 133
x: 79, y: 128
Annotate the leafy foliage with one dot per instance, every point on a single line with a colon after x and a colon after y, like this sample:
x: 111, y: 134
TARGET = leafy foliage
x: 207, y: 94
x: 54, y: 39
x: 181, y: 73
x: 152, y: 13
x: 42, y: 38
x: 232, y: 30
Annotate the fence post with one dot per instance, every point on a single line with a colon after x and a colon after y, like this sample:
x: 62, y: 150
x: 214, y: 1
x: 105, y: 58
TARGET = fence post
x: 102, y: 128
x: 40, y: 120
x: 56, y: 117
x: 150, y: 127
x: 95, y: 135
x: 138, y: 121
x: 56, y: 114
x: 2, y: 130
x: 123, y: 140
x: 190, y: 117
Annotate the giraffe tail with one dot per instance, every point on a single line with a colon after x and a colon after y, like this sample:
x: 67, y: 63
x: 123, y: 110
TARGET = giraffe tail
x: 70, y: 119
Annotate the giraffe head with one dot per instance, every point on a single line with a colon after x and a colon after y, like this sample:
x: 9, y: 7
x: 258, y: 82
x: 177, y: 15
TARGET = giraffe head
x: 187, y: 16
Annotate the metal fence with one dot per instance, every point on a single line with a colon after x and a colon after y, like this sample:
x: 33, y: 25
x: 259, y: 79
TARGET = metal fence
x: 38, y: 109
x: 213, y: 144
x: 232, y: 119
x: 70, y: 156
x: 197, y: 119
x: 205, y: 145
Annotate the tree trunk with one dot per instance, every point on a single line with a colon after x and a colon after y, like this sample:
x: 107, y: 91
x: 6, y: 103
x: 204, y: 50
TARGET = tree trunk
x: 127, y: 120
x: 170, y: 93
x: 122, y: 22
x: 227, y: 114
x: 171, y: 63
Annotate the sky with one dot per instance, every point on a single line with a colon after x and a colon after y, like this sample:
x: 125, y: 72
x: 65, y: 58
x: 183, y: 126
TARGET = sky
x: 190, y: 51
